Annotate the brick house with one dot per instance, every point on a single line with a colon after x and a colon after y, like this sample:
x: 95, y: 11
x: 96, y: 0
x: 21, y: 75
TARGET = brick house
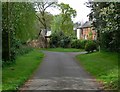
x: 86, y: 32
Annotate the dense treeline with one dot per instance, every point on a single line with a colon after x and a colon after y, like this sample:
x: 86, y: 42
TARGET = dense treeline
x: 18, y: 26
x: 106, y: 21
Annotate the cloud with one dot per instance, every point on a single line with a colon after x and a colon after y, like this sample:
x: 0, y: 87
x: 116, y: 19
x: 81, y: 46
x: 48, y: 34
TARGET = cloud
x: 79, y: 6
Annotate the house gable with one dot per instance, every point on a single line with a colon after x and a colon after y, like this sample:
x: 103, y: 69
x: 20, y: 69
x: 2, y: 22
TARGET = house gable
x: 87, y: 32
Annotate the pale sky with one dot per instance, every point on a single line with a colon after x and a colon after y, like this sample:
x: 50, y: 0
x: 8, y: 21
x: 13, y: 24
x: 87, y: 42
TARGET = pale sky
x: 78, y: 5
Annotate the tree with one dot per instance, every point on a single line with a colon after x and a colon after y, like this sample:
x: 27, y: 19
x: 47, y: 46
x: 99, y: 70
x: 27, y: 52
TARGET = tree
x: 64, y: 19
x: 41, y: 7
x: 56, y: 23
x: 67, y: 13
x: 18, y: 21
x: 48, y: 17
x: 105, y: 17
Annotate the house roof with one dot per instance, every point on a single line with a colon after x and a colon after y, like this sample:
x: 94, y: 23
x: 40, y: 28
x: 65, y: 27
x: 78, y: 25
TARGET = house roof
x: 86, y: 24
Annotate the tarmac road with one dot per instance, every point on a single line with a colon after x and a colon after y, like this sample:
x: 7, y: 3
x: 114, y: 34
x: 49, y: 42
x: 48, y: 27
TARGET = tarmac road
x: 60, y: 71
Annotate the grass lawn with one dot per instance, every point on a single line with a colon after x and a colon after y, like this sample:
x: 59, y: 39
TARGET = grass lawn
x: 102, y: 65
x: 63, y: 49
x: 17, y: 74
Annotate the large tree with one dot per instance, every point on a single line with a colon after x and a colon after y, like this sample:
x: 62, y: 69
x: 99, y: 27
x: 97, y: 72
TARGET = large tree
x: 63, y: 21
x: 67, y: 12
x: 41, y: 8
x: 105, y: 17
x: 48, y: 17
x: 18, y: 20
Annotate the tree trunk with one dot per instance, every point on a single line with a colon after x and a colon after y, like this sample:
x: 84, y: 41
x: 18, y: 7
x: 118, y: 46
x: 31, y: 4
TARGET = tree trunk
x: 6, y: 37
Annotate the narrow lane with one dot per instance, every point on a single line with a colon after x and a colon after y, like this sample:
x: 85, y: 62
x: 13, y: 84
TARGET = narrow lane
x: 60, y: 71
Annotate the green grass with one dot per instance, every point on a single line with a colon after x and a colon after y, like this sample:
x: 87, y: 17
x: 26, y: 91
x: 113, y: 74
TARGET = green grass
x: 63, y: 49
x: 17, y: 74
x: 102, y: 65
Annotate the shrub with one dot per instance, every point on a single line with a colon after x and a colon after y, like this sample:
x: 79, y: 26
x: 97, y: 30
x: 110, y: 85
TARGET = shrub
x: 59, y: 39
x: 83, y: 42
x: 18, y: 48
x: 97, y: 44
x: 90, y: 46
x: 65, y: 41
x: 54, y: 40
x: 76, y: 43
x: 24, y: 50
x: 73, y: 37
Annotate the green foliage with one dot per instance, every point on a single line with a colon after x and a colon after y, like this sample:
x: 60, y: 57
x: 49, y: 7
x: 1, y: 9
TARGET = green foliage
x: 56, y: 23
x: 63, y: 21
x: 24, y: 21
x: 90, y: 46
x: 59, y: 39
x: 18, y: 26
x: 65, y: 41
x: 80, y: 44
x: 66, y: 10
x: 83, y: 42
x: 48, y: 20
x: 76, y: 43
x: 106, y: 22
x: 43, y: 16
x: 21, y: 19
x: 17, y: 51
x: 55, y: 39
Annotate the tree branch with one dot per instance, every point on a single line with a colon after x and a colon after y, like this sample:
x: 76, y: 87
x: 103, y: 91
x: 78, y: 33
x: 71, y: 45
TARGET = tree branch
x: 40, y: 20
x: 49, y: 5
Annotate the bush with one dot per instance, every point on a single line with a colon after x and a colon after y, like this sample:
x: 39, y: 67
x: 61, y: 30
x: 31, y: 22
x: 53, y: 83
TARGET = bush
x: 65, y: 42
x: 17, y: 49
x: 97, y: 44
x: 17, y: 52
x: 83, y: 42
x: 76, y: 44
x: 90, y: 46
x: 23, y: 50
x: 59, y: 39
x: 54, y: 40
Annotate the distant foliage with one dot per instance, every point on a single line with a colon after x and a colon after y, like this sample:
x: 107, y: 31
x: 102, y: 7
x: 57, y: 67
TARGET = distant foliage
x: 54, y: 40
x: 63, y: 22
x: 83, y: 42
x: 90, y: 46
x: 59, y: 39
x: 76, y: 43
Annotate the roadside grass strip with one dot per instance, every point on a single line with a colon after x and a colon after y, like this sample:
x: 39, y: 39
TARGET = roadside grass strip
x: 103, y: 66
x: 15, y: 75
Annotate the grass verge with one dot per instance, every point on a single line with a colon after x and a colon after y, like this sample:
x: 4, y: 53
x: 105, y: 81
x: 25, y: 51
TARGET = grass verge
x: 102, y: 65
x: 15, y: 76
x: 63, y: 49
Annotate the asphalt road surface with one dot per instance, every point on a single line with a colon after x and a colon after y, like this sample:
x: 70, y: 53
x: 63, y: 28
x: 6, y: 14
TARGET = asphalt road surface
x: 60, y: 71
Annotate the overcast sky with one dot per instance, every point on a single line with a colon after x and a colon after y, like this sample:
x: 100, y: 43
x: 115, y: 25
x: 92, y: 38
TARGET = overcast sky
x: 78, y: 5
